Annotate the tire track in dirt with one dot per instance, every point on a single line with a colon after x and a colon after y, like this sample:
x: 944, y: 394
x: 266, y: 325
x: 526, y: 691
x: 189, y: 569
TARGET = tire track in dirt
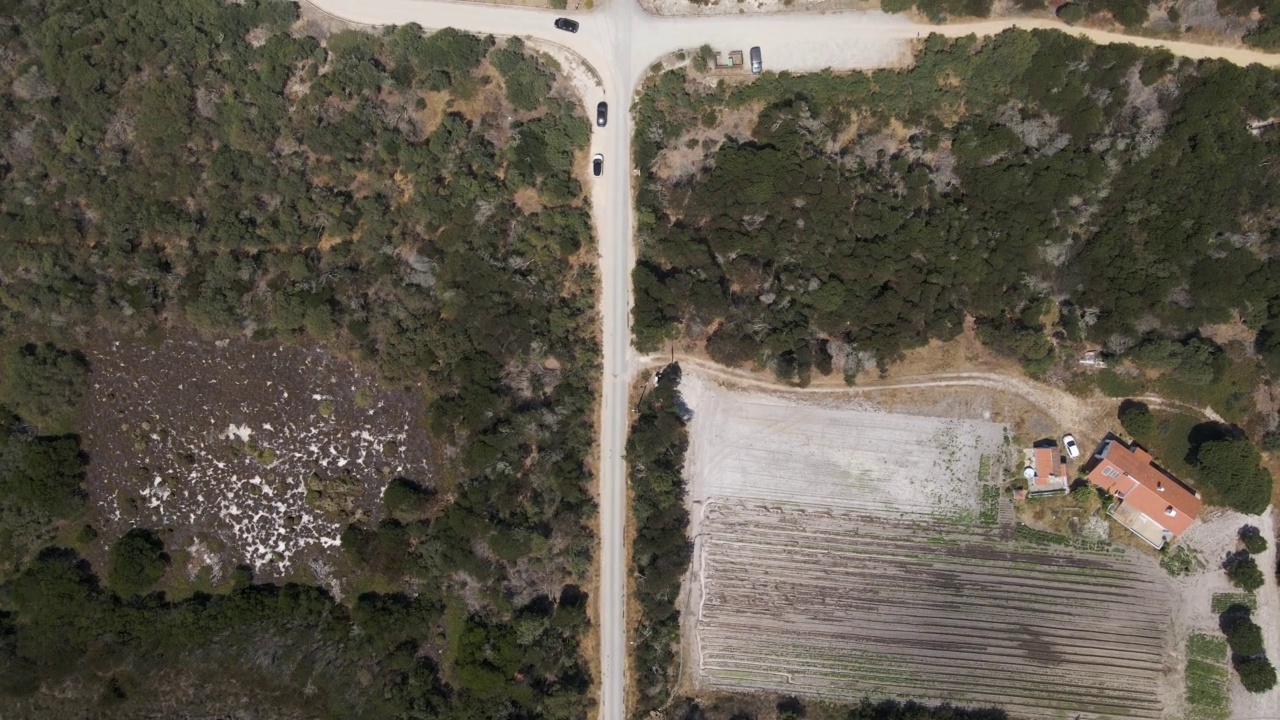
x: 1068, y: 409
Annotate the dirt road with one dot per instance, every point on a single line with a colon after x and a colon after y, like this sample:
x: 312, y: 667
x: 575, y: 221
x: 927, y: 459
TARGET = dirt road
x: 1069, y: 409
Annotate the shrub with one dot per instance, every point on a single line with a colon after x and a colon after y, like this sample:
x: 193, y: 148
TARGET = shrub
x: 1256, y: 674
x: 1244, y: 637
x: 44, y: 383
x: 1113, y: 384
x: 1243, y: 571
x: 1271, y: 441
x: 136, y: 563
x: 1071, y: 13
x: 406, y: 498
x: 1251, y: 538
x: 43, y: 474
x: 731, y: 348
x: 1137, y: 420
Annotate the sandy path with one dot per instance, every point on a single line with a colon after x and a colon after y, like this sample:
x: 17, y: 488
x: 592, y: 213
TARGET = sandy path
x: 1068, y: 409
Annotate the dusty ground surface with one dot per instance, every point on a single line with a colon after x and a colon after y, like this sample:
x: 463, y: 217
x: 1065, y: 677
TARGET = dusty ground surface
x: 1214, y: 536
x: 1196, y: 20
x: 244, y: 452
x: 979, y: 385
x: 841, y: 550
x: 733, y: 7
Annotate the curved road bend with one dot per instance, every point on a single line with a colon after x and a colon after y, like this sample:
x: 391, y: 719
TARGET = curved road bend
x: 620, y: 41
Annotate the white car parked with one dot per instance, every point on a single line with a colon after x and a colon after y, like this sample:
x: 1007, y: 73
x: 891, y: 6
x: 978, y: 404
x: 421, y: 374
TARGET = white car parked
x: 1069, y: 442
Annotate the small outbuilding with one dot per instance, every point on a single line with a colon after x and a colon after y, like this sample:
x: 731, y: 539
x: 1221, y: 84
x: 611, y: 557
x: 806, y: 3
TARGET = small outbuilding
x: 1044, y: 470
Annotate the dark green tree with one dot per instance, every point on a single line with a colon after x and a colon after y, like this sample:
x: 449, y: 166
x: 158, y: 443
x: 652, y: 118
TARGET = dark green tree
x: 1137, y: 420
x: 1232, y: 469
x: 1252, y: 539
x: 136, y: 562
x: 1257, y: 674
x: 42, y: 474
x: 1243, y: 571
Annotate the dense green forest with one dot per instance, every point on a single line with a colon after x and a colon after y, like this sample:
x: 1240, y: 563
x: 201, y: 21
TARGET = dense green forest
x: 196, y: 167
x: 1063, y: 195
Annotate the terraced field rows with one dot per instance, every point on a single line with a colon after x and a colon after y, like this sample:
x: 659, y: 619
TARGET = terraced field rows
x: 841, y: 604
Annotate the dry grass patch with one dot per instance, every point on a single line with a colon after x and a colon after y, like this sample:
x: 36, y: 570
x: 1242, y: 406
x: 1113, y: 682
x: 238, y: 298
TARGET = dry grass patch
x: 247, y: 452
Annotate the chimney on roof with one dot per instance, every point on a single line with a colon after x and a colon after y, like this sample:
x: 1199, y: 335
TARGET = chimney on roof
x: 1160, y: 485
x: 1170, y: 511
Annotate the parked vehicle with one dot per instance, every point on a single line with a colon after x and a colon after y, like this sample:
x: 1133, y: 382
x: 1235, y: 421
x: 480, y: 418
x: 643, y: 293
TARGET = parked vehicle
x: 602, y: 114
x: 597, y: 165
x: 757, y: 64
x: 567, y: 25
x: 1069, y: 442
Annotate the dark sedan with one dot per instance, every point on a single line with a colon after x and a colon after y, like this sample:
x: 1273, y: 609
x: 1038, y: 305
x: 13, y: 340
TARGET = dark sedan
x: 567, y: 25
x: 602, y: 114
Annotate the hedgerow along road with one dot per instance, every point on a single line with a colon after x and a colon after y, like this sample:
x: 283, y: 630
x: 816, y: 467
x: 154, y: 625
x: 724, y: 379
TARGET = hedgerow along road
x: 620, y: 42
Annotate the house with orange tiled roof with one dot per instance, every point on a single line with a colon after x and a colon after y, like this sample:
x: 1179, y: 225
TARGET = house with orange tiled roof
x: 1044, y: 470
x: 1150, y: 502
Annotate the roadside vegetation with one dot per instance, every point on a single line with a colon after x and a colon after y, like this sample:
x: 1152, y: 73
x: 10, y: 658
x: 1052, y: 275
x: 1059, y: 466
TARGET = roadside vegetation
x: 229, y: 172
x: 661, y: 547
x: 1254, y: 22
x: 1042, y: 202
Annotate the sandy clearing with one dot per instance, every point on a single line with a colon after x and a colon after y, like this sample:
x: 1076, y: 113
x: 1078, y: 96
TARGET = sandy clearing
x: 1214, y: 537
x: 903, y: 464
x: 685, y: 8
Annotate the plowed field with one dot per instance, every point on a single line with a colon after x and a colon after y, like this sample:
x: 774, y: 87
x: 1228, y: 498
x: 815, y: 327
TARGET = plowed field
x: 843, y: 552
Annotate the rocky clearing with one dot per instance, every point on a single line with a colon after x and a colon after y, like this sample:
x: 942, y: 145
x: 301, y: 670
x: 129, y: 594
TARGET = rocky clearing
x: 244, y: 453
x: 842, y: 550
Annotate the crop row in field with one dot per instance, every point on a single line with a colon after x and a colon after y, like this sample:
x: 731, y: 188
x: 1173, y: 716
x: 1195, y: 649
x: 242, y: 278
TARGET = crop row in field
x: 840, y: 604
x: 1206, y: 677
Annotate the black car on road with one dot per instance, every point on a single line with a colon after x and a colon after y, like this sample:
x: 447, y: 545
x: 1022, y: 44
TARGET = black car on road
x: 597, y: 165
x: 602, y: 114
x: 567, y: 25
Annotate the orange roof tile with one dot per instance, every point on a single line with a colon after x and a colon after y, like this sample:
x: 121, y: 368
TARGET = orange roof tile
x: 1048, y: 464
x: 1128, y: 473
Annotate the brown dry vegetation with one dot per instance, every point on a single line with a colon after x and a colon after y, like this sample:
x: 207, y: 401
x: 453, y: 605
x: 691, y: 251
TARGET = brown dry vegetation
x: 251, y: 453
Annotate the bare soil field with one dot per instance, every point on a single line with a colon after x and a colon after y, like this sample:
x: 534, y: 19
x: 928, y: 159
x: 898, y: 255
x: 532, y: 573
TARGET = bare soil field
x: 247, y: 453
x: 843, y: 551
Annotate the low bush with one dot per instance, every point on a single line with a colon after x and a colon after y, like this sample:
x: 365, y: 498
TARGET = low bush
x: 1137, y: 420
x: 1256, y: 674
x: 1243, y: 571
x: 1252, y: 539
x: 1071, y: 13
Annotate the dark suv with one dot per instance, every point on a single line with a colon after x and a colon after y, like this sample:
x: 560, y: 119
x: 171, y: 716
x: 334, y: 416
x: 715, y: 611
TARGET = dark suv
x: 602, y: 114
x: 567, y: 25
